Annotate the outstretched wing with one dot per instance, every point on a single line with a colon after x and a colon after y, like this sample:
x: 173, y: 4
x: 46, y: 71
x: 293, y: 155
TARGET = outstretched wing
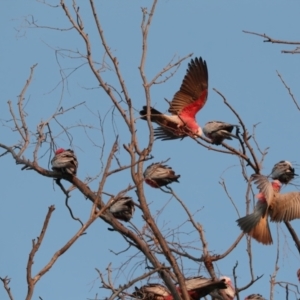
x: 264, y: 186
x: 193, y: 91
x: 285, y: 207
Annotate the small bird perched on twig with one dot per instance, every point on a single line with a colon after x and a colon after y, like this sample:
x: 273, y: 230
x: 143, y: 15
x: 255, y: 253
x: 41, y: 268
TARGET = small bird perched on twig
x: 158, y: 175
x: 65, y: 161
x: 123, y: 209
x: 218, y: 131
x: 280, y: 207
x: 185, y: 104
x: 283, y: 171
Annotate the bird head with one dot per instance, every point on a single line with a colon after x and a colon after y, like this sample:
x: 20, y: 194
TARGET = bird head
x: 230, y: 291
x: 60, y: 150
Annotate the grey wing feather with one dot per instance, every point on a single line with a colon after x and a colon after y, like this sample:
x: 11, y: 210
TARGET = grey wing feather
x: 264, y: 186
x: 165, y: 135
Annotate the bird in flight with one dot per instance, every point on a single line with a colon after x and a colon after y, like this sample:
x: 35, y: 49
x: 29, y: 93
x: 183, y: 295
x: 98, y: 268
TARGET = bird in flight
x: 279, y: 207
x: 190, y: 98
x: 65, y: 161
x: 218, y: 131
x: 283, y: 171
x: 157, y: 175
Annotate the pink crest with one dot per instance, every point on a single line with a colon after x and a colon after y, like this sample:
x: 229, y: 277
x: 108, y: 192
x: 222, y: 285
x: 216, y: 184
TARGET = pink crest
x: 60, y: 150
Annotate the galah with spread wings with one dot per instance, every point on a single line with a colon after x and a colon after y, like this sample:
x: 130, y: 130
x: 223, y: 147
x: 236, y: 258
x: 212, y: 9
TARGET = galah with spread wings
x: 123, y: 209
x: 185, y: 104
x: 218, y: 131
x: 280, y: 207
x: 158, y: 175
x: 255, y: 297
x: 65, y: 161
x: 283, y: 171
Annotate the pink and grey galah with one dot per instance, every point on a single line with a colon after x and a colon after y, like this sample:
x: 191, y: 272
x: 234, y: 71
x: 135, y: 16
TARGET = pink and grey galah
x: 158, y: 175
x: 224, y: 294
x: 153, y: 291
x: 197, y: 287
x: 185, y: 104
x: 279, y: 207
x: 255, y: 297
x: 218, y: 131
x: 123, y: 209
x: 283, y: 171
x: 65, y: 161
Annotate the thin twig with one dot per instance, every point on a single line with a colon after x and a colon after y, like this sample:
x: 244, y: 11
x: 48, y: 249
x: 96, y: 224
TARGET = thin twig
x: 6, y: 282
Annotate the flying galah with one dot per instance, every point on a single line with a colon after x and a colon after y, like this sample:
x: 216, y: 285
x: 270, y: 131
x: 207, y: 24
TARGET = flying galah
x: 185, y: 104
x: 123, y: 209
x: 218, y: 131
x: 158, y: 175
x: 283, y: 171
x: 280, y: 207
x: 255, y: 297
x: 65, y: 161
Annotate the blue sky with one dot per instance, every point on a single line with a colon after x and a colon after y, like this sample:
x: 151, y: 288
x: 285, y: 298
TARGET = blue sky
x: 241, y: 66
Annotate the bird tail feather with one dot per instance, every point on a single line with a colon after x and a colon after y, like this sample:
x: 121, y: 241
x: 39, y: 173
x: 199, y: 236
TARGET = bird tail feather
x: 261, y: 232
x: 153, y: 113
x: 257, y: 226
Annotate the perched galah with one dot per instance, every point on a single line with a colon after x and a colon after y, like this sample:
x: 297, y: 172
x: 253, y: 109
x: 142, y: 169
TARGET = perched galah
x: 218, y: 131
x: 65, y: 161
x: 185, y: 104
x: 255, y: 297
x: 199, y: 287
x: 153, y: 291
x: 283, y: 171
x: 224, y: 294
x: 280, y: 207
x: 123, y: 209
x: 158, y: 175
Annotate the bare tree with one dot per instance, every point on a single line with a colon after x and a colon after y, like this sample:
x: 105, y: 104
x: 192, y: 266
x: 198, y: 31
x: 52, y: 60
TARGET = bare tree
x: 161, y: 250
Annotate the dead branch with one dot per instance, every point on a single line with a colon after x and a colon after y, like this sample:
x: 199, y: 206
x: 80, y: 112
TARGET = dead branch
x: 6, y: 282
x: 35, y: 247
x: 293, y: 234
x: 289, y: 90
x: 268, y: 39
